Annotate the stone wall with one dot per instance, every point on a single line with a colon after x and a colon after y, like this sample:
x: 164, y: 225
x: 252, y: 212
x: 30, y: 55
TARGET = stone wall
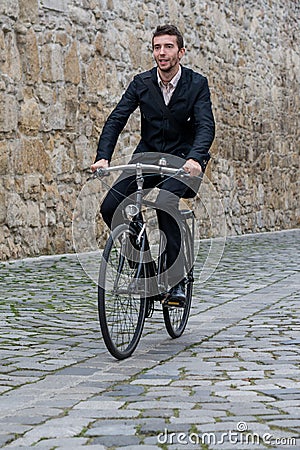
x: 64, y: 65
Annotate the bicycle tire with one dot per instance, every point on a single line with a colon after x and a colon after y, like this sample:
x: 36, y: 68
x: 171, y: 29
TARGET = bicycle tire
x: 176, y: 318
x: 121, y: 311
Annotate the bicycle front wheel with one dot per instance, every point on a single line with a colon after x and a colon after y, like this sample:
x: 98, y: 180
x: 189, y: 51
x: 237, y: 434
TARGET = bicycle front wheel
x: 176, y: 318
x: 121, y: 302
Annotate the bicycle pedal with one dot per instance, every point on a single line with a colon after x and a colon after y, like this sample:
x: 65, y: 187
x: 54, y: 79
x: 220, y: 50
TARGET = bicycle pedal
x: 172, y: 303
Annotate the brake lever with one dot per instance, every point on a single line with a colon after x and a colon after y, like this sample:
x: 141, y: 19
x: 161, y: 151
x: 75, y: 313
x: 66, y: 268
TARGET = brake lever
x: 183, y: 174
x: 100, y: 173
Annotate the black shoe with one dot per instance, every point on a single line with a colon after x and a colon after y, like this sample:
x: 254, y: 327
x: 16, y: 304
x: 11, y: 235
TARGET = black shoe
x: 176, y: 296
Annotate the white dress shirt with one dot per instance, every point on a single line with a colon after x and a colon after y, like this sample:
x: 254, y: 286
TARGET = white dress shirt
x: 167, y: 90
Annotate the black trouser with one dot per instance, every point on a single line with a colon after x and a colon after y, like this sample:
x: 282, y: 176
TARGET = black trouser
x: 167, y: 203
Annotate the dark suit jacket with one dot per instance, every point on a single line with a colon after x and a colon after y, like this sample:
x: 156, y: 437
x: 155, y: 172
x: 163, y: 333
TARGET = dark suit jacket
x: 191, y: 133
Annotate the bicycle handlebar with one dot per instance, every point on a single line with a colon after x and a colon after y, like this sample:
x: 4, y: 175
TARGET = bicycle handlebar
x: 150, y: 168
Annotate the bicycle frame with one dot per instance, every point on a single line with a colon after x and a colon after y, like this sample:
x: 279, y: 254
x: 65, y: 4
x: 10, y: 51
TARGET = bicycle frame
x: 136, y: 207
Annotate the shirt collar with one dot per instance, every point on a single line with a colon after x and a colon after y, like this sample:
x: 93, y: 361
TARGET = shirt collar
x: 174, y: 80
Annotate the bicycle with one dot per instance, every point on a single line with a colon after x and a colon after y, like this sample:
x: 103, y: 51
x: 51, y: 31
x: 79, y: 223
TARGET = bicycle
x: 131, y: 281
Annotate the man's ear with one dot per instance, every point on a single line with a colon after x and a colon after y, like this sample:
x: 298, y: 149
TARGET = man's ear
x: 181, y: 52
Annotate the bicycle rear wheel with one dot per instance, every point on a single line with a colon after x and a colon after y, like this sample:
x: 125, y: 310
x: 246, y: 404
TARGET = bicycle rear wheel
x: 176, y: 318
x: 121, y: 303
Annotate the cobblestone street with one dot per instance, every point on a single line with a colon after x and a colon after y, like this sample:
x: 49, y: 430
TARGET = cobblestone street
x: 230, y: 382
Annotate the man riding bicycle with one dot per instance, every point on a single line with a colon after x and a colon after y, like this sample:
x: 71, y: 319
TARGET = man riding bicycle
x: 176, y: 121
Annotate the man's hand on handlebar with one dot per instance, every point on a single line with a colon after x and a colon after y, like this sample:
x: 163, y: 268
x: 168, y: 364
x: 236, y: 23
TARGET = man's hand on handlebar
x: 192, y: 167
x: 101, y: 164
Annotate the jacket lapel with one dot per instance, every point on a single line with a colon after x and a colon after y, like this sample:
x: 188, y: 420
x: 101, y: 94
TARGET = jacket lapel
x: 179, y: 88
x: 155, y: 82
x: 150, y: 77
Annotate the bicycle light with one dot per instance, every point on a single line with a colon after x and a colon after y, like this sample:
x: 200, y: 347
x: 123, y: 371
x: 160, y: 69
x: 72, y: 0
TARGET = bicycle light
x: 162, y: 162
x: 131, y: 211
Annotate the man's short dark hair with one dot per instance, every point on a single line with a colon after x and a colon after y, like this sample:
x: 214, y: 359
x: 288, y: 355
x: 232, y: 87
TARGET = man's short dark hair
x: 172, y: 31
